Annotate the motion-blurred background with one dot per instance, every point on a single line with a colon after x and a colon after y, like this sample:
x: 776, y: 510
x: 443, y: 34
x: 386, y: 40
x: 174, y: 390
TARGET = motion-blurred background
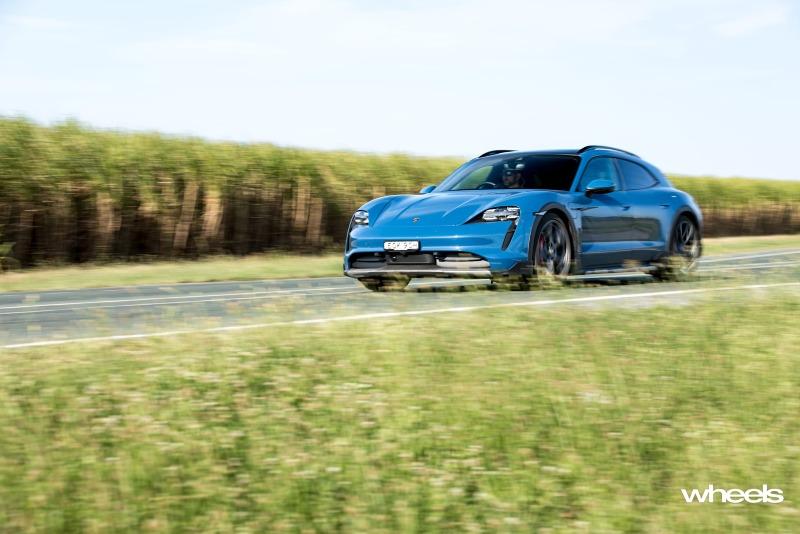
x: 699, y: 88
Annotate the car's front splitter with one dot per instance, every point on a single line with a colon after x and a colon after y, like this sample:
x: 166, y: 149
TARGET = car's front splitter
x: 423, y: 271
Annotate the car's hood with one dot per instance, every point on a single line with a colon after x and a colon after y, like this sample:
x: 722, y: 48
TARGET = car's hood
x: 449, y: 208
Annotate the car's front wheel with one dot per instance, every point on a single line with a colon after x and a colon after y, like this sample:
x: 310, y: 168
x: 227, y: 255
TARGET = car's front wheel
x: 684, y: 251
x: 552, y: 249
x: 394, y: 283
x: 551, y: 255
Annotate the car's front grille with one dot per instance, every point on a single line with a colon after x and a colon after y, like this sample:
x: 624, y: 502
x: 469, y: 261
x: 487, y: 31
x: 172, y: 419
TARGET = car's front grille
x: 421, y: 259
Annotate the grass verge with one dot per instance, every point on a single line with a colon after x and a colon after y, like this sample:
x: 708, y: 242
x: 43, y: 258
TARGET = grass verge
x: 213, y: 269
x: 570, y: 419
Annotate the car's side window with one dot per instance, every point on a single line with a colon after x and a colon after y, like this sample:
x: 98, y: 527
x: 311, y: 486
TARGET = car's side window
x: 635, y: 176
x: 599, y: 169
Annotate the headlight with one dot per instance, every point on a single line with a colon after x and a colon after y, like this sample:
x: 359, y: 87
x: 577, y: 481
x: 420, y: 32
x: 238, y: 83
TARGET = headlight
x: 361, y: 217
x: 503, y: 213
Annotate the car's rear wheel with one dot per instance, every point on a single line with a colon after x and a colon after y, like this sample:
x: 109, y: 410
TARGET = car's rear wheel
x: 394, y: 283
x: 684, y: 251
x: 552, y: 249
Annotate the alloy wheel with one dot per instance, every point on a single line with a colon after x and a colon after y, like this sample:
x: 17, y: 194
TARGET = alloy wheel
x: 686, y: 244
x: 553, y: 251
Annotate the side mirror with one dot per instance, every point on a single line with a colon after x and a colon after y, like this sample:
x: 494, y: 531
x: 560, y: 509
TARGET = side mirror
x: 600, y: 186
x: 427, y: 189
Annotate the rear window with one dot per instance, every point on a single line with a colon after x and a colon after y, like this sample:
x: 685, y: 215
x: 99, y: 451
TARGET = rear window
x: 515, y: 172
x: 635, y: 176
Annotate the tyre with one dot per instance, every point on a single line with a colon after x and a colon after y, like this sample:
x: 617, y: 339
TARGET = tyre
x: 395, y: 283
x: 552, y: 249
x: 684, y: 251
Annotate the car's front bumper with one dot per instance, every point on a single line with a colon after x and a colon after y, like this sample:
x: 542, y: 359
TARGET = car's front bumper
x: 478, y: 250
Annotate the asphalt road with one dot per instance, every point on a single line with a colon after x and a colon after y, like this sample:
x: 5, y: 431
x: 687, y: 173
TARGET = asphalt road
x: 54, y: 317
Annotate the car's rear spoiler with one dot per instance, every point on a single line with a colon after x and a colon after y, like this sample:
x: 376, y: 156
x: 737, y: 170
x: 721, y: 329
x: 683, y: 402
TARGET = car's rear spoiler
x: 590, y: 147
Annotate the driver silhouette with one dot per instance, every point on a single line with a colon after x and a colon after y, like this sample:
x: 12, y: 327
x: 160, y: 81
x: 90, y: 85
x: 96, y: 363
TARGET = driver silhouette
x: 512, y: 178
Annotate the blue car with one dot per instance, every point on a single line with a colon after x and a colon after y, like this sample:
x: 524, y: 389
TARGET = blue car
x: 521, y: 216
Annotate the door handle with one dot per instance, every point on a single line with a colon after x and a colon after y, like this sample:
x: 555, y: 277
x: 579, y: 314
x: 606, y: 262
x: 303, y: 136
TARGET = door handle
x: 665, y: 206
x: 625, y: 208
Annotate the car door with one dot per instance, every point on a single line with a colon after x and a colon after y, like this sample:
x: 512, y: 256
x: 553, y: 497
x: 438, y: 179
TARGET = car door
x: 604, y: 218
x: 647, y: 210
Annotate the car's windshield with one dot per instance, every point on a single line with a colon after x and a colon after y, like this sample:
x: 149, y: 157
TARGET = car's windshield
x: 514, y: 172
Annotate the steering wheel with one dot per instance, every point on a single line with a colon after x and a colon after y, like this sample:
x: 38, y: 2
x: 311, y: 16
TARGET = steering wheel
x: 487, y: 185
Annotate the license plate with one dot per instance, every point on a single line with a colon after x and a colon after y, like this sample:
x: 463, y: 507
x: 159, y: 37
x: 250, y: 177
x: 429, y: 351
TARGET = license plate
x: 401, y: 246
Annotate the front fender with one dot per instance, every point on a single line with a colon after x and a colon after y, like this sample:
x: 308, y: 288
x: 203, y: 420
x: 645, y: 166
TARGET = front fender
x: 533, y: 210
x: 561, y: 209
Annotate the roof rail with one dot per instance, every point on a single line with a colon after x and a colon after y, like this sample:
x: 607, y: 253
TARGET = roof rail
x: 493, y: 152
x: 590, y: 147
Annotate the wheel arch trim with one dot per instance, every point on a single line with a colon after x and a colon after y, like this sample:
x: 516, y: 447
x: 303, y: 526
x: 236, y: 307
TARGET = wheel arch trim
x: 562, y: 211
x: 688, y: 211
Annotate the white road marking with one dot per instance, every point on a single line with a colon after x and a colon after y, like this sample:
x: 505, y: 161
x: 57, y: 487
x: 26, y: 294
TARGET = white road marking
x: 385, y: 315
x: 177, y: 300
x: 607, y: 276
x: 169, y: 297
x: 276, y: 281
x: 421, y: 282
x: 739, y: 266
x: 343, y: 290
x: 748, y: 257
x: 42, y: 307
x: 181, y: 284
x: 184, y: 302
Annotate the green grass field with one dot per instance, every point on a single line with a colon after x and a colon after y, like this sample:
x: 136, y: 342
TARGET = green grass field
x: 742, y: 244
x: 711, y: 192
x: 559, y: 420
x: 258, y: 267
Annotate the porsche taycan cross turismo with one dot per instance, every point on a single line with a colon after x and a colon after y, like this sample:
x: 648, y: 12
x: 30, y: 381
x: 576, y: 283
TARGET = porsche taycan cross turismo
x: 520, y: 216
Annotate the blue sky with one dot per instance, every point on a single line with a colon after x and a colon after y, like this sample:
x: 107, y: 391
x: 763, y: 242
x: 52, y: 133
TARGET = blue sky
x: 696, y: 87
